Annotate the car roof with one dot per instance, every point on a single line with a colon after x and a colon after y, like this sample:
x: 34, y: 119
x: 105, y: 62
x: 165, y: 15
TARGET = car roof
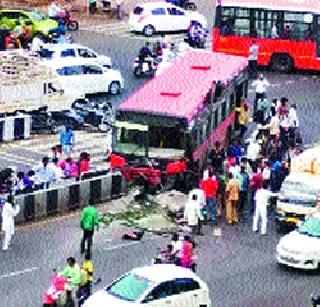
x: 70, y: 61
x: 63, y: 46
x: 149, y: 5
x: 162, y: 272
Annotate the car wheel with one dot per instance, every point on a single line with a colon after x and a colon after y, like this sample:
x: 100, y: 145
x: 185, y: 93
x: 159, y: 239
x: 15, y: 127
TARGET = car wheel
x: 190, y: 6
x: 282, y: 62
x: 54, y: 129
x: 40, y: 36
x: 73, y: 26
x: 114, y: 88
x: 148, y: 30
x: 138, y: 71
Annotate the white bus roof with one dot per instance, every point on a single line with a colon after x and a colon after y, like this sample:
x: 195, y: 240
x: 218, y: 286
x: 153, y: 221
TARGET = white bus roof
x: 278, y: 5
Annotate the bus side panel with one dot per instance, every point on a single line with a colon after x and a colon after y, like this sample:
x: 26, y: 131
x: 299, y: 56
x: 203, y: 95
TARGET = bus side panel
x: 218, y: 134
x: 303, y: 53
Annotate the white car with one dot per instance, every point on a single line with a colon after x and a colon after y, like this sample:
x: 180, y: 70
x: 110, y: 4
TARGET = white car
x: 84, y: 77
x: 60, y: 51
x: 158, y: 285
x: 153, y: 17
x: 301, y: 248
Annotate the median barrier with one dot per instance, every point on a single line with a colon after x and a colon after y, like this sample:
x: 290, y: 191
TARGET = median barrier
x: 67, y: 196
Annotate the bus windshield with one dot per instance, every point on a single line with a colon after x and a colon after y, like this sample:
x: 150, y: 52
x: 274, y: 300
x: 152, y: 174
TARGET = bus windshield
x: 134, y: 139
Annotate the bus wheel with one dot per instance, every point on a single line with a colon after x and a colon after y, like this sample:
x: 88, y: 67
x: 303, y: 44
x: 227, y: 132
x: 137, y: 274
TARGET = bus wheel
x: 282, y: 62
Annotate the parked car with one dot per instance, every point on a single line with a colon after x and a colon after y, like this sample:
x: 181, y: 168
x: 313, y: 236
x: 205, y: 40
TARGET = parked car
x: 41, y: 25
x: 158, y: 285
x: 85, y: 77
x: 54, y: 52
x: 297, y: 198
x: 301, y: 247
x: 149, y: 18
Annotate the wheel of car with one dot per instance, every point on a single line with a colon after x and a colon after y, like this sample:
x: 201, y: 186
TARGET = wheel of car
x: 190, y: 6
x: 114, y: 88
x: 138, y: 71
x: 73, y: 26
x: 148, y: 30
x: 40, y: 36
x: 54, y: 129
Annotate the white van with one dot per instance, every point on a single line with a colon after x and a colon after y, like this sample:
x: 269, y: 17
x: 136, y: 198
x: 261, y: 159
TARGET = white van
x: 84, y: 77
x: 297, y: 199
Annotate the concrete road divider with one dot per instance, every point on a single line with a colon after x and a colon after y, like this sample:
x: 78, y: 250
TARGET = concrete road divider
x: 67, y: 196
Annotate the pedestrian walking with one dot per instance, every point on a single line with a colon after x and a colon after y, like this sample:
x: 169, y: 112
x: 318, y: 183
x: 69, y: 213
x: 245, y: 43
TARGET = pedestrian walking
x: 293, y: 121
x: 243, y: 178
x: 67, y: 140
x: 89, y: 220
x: 210, y: 187
x: 260, y: 85
x: 118, y: 9
x: 187, y: 253
x: 217, y: 156
x: 253, y: 59
x: 9, y: 211
x: 260, y: 213
x: 193, y: 208
x: 232, y: 198
x: 256, y: 180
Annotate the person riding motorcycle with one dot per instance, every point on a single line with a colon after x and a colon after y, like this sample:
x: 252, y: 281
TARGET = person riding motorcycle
x: 145, y: 54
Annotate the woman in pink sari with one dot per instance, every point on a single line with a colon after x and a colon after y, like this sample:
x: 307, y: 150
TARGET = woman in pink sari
x: 187, y: 253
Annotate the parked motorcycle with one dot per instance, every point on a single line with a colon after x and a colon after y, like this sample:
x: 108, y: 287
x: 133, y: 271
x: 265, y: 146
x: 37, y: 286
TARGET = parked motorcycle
x: 147, y: 68
x: 71, y: 23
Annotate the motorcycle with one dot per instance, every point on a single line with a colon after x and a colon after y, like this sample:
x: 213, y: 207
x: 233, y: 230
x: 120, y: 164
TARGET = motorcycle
x: 315, y: 300
x: 71, y: 23
x: 148, y: 67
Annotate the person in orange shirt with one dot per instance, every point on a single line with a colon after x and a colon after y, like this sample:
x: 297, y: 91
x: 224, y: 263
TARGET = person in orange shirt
x: 232, y: 198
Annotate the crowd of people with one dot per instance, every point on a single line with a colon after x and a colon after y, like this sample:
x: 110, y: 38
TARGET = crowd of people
x: 246, y: 176
x: 58, y: 165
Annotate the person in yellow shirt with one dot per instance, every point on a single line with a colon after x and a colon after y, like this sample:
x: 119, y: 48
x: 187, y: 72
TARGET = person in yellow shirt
x: 243, y: 118
x: 87, y: 277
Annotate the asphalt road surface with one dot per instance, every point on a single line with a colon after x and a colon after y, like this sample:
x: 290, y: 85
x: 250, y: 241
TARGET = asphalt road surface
x: 239, y: 266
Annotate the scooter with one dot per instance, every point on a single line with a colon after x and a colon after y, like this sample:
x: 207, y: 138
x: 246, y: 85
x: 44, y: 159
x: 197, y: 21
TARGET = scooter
x: 71, y: 23
x: 148, y: 67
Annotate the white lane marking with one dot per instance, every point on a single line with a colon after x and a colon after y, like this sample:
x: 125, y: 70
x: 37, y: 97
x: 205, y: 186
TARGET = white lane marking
x: 17, y: 273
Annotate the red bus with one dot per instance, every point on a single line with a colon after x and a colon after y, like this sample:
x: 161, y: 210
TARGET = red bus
x: 179, y: 113
x: 287, y: 31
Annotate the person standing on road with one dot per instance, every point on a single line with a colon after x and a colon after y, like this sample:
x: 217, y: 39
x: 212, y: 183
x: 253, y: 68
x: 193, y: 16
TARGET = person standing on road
x: 243, y: 178
x: 87, y: 279
x: 89, y: 219
x: 9, y: 211
x: 217, y: 156
x: 118, y: 8
x: 210, y: 187
x: 255, y: 184
x: 260, y: 85
x: 67, y: 141
x: 192, y: 212
x: 262, y: 201
x: 232, y: 198
x: 253, y: 59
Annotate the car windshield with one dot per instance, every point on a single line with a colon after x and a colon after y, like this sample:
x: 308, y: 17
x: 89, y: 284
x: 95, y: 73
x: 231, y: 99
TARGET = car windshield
x: 300, y: 194
x: 36, y: 15
x: 298, y: 187
x: 311, y: 227
x: 130, y: 287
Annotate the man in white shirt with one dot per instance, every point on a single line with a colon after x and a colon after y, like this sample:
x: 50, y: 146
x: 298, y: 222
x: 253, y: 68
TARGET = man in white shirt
x: 293, y: 120
x: 253, y: 59
x: 53, y: 9
x: 261, y: 85
x: 262, y: 201
x: 253, y: 151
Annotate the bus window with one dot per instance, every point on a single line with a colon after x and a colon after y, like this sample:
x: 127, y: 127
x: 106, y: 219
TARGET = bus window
x: 297, y: 26
x: 223, y: 110
x: 235, y: 21
x: 231, y: 102
x: 266, y: 23
x: 161, y: 137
